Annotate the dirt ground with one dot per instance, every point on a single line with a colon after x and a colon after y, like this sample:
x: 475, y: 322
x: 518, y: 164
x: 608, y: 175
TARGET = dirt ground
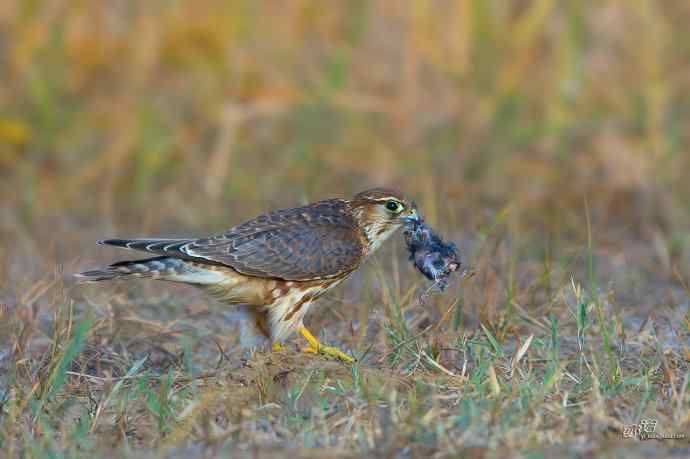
x: 549, y: 140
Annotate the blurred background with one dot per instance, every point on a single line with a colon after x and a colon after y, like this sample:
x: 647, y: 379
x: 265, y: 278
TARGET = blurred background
x: 549, y: 139
x: 508, y: 120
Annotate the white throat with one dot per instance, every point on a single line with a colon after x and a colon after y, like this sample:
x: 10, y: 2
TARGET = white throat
x: 378, y: 239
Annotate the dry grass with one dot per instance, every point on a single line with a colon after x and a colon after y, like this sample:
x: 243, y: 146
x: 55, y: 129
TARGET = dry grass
x: 549, y: 139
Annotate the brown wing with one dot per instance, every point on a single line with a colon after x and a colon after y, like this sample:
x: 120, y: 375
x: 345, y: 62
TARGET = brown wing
x: 305, y: 243
x: 313, y: 242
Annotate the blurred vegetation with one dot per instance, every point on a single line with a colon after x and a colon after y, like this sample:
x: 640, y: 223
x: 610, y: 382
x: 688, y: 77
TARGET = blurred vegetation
x: 550, y: 138
x: 209, y: 106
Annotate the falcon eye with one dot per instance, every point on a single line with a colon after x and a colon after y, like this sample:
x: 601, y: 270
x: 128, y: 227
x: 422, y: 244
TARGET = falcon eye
x: 394, y: 206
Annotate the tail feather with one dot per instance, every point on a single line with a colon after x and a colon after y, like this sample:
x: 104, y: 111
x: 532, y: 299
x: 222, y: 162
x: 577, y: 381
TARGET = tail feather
x: 160, y: 268
x: 171, y: 247
x: 150, y: 268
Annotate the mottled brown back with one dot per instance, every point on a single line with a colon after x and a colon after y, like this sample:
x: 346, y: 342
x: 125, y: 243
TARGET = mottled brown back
x: 317, y: 241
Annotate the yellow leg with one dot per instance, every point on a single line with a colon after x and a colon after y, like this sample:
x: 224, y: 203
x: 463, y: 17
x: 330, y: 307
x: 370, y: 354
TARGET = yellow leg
x: 317, y: 348
x: 277, y: 347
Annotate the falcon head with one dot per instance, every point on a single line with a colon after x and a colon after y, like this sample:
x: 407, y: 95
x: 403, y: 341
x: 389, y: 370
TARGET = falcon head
x: 380, y: 212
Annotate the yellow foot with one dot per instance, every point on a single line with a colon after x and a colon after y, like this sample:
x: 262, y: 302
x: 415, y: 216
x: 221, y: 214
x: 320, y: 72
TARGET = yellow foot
x: 317, y: 348
x: 277, y: 347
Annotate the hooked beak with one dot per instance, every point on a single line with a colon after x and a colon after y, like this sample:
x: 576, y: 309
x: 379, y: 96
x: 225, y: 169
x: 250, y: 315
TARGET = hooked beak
x: 413, y: 217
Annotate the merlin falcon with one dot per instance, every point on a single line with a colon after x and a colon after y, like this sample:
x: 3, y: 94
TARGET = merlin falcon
x: 273, y: 268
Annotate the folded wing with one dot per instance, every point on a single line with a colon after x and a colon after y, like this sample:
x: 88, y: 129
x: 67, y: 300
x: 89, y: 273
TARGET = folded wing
x: 306, y: 243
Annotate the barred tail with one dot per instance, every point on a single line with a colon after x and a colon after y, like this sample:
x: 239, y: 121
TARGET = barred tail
x: 165, y: 268
x: 161, y: 268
